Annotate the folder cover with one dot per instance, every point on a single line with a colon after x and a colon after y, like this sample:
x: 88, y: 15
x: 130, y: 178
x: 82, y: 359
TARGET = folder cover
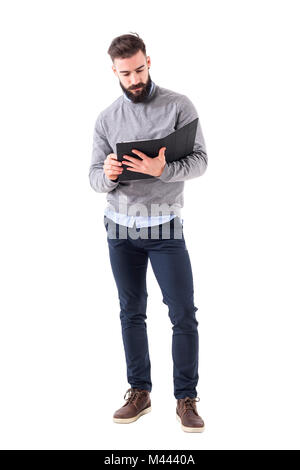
x: 179, y: 144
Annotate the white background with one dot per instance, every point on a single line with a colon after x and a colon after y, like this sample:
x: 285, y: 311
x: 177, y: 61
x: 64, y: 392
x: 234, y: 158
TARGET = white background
x: 62, y: 361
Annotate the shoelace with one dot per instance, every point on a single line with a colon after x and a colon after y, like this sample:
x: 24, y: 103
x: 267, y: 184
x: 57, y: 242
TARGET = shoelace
x: 134, y: 395
x: 190, y: 404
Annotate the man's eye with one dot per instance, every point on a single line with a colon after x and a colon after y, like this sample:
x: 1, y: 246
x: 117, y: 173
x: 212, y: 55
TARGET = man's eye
x: 126, y: 74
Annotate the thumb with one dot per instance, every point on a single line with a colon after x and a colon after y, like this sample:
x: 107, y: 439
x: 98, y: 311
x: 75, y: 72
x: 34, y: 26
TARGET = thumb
x: 162, y: 151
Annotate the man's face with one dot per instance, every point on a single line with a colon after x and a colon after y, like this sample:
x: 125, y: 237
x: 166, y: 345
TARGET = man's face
x: 134, y: 77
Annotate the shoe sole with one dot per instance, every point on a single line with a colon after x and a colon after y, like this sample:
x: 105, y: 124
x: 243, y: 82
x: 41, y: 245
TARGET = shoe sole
x: 187, y: 428
x: 134, y: 418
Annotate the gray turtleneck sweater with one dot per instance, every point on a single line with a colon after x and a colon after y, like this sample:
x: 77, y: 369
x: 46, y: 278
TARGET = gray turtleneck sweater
x: 163, y: 112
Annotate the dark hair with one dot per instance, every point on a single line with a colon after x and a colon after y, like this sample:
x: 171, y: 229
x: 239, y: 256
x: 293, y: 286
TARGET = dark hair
x: 126, y: 46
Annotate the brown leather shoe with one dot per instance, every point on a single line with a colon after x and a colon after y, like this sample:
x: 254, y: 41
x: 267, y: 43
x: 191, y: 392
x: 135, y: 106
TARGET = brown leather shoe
x: 138, y: 404
x: 187, y: 415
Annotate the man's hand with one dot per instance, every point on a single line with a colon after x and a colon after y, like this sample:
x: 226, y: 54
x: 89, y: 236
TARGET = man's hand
x: 112, y: 168
x: 150, y: 166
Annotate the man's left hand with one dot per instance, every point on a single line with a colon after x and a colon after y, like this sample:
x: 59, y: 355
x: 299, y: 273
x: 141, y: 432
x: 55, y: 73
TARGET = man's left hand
x: 150, y: 166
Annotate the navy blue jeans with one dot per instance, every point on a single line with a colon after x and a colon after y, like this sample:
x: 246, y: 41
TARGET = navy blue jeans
x: 129, y: 251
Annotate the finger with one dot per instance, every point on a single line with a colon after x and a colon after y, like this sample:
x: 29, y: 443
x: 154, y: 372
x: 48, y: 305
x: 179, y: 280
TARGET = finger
x: 116, y: 165
x: 113, y: 173
x: 113, y: 159
x: 112, y: 168
x: 116, y: 171
x: 139, y: 153
x: 112, y: 164
x: 133, y: 169
x: 129, y: 164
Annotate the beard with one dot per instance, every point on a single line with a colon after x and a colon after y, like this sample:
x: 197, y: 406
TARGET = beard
x: 141, y: 95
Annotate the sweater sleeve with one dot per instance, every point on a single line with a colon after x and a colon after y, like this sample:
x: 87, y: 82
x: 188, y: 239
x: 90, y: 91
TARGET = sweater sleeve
x: 101, y: 148
x: 195, y: 164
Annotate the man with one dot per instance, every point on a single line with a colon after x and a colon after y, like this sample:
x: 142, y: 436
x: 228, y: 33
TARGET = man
x: 146, y: 111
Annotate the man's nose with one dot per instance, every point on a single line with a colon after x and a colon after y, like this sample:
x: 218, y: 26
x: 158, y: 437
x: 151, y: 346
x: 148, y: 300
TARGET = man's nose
x: 135, y: 80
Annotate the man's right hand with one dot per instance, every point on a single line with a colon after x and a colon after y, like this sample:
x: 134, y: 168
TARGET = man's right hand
x: 112, y: 167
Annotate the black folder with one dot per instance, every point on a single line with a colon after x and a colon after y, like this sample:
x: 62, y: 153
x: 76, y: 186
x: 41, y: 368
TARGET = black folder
x: 179, y: 144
